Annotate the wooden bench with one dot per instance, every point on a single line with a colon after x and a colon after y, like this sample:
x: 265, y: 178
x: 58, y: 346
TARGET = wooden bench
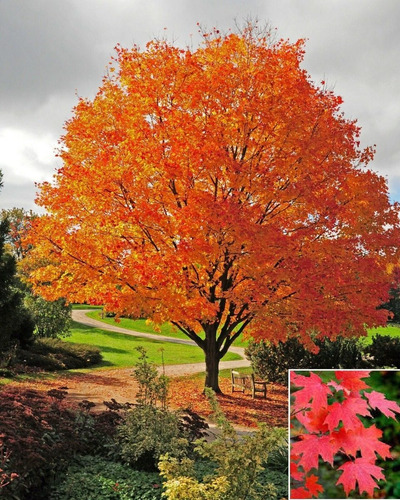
x: 258, y: 386
x: 242, y: 382
x: 239, y: 381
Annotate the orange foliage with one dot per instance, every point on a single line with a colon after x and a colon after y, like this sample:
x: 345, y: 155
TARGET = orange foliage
x: 219, y: 189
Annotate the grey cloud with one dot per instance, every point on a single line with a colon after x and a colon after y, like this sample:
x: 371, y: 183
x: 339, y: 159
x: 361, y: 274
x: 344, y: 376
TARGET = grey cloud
x: 53, y: 49
x: 19, y: 195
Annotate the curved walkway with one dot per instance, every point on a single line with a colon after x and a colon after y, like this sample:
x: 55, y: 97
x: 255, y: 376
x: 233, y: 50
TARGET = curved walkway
x: 79, y: 315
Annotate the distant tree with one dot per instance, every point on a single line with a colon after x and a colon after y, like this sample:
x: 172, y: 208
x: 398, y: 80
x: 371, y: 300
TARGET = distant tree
x: 51, y: 318
x: 20, y: 221
x: 16, y: 325
x: 223, y: 191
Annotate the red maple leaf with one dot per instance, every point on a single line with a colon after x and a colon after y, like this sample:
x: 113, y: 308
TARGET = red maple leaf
x: 378, y: 400
x: 313, y: 487
x: 295, y: 473
x: 351, y: 380
x: 314, y: 420
x: 365, y: 440
x: 311, y: 447
x: 313, y: 390
x: 362, y: 472
x: 299, y: 493
x: 346, y: 412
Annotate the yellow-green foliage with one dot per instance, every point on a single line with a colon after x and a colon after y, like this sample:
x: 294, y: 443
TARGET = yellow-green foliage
x: 180, y: 484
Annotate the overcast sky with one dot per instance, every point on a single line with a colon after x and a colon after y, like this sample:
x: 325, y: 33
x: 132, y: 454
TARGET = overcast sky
x: 55, y: 50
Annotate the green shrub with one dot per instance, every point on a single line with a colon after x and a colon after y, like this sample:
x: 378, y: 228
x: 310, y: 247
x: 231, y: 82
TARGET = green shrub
x: 149, y: 432
x: 51, y: 318
x: 340, y: 353
x: 46, y: 362
x: 91, y: 477
x: 16, y: 326
x: 54, y: 354
x: 385, y: 351
x: 272, y: 361
x: 278, y: 459
x: 153, y: 388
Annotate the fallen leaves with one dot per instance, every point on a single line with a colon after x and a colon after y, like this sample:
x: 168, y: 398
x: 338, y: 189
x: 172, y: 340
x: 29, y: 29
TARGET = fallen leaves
x: 102, y: 385
x: 240, y: 409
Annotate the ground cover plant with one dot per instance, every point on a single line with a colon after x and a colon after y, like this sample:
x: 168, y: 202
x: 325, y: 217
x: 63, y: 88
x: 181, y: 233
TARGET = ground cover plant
x: 333, y: 416
x: 98, y: 478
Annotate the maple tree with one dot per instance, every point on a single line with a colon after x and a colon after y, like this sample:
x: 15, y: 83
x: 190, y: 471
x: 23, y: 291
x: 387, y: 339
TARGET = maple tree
x: 219, y: 189
x: 326, y: 424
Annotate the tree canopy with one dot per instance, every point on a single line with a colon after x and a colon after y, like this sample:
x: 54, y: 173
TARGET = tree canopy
x: 220, y: 189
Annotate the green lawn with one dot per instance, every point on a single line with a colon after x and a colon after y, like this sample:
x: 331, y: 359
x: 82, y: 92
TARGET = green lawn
x: 140, y: 325
x: 119, y: 350
x: 391, y: 330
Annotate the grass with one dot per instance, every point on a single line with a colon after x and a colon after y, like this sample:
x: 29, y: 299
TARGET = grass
x: 85, y: 306
x: 393, y: 330
x: 119, y: 350
x: 141, y: 325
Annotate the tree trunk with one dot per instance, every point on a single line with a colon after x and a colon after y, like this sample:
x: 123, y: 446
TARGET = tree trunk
x: 212, y: 361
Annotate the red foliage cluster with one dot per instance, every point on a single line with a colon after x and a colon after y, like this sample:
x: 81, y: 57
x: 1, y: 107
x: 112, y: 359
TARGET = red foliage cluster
x: 38, y: 432
x: 326, y: 420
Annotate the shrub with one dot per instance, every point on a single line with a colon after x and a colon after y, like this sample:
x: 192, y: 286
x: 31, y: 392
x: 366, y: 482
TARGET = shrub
x: 278, y: 459
x: 192, y: 425
x: 54, y: 354
x: 339, y: 353
x: 51, y: 318
x: 153, y: 388
x: 272, y: 361
x: 16, y: 325
x: 36, y: 432
x: 94, y: 477
x: 148, y: 433
x: 385, y: 351
x: 40, y: 433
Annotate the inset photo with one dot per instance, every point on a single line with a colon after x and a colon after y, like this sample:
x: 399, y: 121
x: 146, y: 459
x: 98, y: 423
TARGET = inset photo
x: 344, y: 434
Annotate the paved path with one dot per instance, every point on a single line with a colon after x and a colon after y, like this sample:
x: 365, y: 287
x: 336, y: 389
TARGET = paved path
x: 79, y: 315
